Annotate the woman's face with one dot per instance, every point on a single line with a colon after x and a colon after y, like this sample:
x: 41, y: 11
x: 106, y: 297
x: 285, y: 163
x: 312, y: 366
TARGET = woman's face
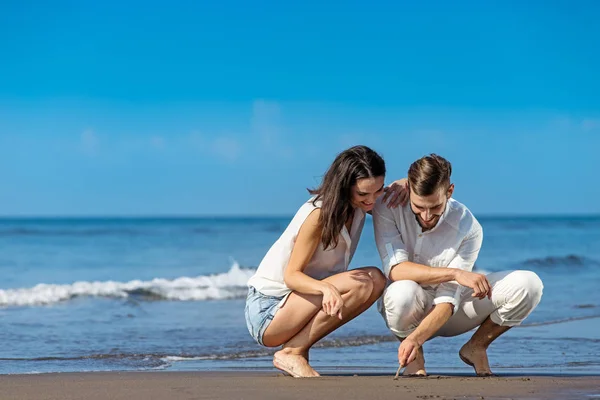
x: 366, y: 191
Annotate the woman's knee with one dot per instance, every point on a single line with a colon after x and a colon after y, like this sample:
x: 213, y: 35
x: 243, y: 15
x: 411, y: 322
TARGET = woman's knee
x: 379, y: 280
x: 361, y: 284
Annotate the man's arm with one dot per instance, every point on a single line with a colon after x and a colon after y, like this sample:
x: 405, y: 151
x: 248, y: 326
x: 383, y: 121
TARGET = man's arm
x: 457, y: 273
x: 388, y: 237
x: 462, y: 265
x: 439, y: 315
x: 447, y: 296
x: 422, y: 274
x: 395, y: 260
x: 393, y: 253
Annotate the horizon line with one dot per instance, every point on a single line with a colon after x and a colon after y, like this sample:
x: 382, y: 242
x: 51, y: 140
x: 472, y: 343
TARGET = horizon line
x: 257, y: 216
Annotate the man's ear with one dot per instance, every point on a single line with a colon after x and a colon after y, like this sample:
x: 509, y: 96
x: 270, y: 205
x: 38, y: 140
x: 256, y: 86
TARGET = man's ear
x: 450, y: 190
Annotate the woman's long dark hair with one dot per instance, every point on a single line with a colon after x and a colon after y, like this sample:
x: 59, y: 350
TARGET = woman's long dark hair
x: 335, y: 191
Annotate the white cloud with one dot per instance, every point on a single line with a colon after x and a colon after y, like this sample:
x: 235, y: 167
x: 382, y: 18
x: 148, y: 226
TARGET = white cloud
x: 157, y: 142
x: 267, y: 125
x: 196, y: 139
x: 561, y: 122
x: 590, y: 124
x: 223, y: 147
x: 266, y: 136
x: 575, y: 124
x: 226, y: 148
x: 266, y: 121
x: 89, y: 141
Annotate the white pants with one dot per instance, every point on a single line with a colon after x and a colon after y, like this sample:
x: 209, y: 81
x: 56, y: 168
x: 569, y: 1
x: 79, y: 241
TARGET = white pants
x: 515, y: 294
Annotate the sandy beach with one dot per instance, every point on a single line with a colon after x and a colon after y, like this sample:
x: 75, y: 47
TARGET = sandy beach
x: 248, y: 385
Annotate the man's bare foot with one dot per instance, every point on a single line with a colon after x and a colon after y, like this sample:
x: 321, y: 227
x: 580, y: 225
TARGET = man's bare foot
x: 294, y: 364
x: 417, y: 367
x: 476, y: 357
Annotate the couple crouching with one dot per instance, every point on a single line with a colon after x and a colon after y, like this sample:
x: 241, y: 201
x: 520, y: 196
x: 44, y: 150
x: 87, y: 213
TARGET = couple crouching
x: 428, y: 244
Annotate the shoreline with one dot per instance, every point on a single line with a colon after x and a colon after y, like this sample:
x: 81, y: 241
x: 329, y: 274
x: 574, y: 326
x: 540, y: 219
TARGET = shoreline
x: 528, y: 351
x: 259, y: 385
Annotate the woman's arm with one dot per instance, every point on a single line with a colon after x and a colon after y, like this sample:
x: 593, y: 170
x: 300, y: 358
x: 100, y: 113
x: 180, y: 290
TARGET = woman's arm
x: 305, y: 246
x: 397, y: 193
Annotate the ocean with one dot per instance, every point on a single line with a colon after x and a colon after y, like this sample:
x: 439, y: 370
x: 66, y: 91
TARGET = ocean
x: 168, y: 294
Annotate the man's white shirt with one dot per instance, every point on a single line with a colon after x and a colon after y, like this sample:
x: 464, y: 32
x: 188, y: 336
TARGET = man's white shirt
x: 453, y: 243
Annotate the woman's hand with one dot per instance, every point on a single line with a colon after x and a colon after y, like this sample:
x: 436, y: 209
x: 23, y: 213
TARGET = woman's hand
x: 397, y: 193
x: 332, y: 301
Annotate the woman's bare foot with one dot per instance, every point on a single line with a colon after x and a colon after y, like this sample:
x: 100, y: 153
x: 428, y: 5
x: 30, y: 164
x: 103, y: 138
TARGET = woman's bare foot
x: 294, y: 364
x: 476, y: 357
x: 417, y: 367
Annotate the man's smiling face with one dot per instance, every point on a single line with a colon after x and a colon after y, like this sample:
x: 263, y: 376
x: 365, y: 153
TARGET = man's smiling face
x: 429, y: 209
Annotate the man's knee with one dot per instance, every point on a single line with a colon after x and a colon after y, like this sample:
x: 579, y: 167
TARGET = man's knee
x: 529, y: 283
x: 401, y: 296
x: 516, y: 296
x: 403, y: 307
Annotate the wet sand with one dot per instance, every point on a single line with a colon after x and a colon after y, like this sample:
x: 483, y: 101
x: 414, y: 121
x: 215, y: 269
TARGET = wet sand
x: 250, y: 385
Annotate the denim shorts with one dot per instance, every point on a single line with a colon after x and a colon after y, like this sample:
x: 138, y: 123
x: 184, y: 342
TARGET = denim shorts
x: 260, y: 310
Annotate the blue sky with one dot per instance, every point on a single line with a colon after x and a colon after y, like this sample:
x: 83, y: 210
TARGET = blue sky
x: 198, y: 108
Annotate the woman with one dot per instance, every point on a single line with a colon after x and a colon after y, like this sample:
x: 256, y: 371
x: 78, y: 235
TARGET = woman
x: 302, y: 290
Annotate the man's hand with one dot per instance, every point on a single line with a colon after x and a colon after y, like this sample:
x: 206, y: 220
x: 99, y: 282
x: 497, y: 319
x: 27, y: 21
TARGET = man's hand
x: 407, y: 352
x: 397, y: 193
x: 478, y: 282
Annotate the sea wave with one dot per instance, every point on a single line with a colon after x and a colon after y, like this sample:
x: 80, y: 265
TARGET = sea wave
x: 347, y: 341
x: 568, y: 260
x: 70, y: 232
x: 162, y: 360
x: 228, y: 285
x: 558, y: 321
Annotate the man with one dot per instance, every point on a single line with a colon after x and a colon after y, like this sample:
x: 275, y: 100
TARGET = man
x: 428, y: 248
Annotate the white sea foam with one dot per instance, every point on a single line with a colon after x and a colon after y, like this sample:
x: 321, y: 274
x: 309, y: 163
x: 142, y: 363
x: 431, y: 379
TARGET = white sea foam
x: 179, y: 358
x: 228, y: 285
